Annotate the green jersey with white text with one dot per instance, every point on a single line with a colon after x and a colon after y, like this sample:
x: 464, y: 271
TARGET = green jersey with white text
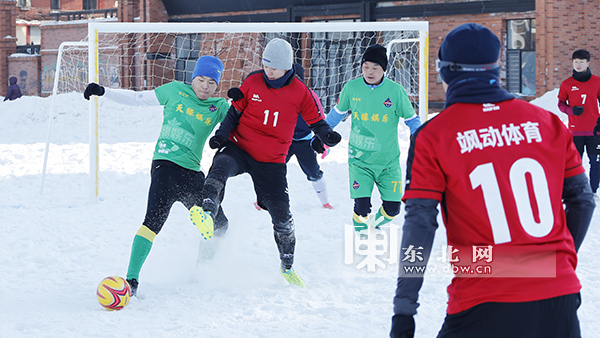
x: 187, y: 123
x: 376, y: 113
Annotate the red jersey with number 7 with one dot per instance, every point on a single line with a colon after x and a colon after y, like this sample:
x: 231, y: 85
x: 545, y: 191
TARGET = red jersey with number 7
x: 584, y: 94
x: 498, y: 171
x: 269, y: 116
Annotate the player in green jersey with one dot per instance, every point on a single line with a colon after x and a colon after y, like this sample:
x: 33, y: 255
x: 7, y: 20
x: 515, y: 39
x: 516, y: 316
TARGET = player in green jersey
x: 190, y: 115
x: 376, y: 104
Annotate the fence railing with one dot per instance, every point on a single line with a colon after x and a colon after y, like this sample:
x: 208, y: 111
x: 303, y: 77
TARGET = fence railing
x: 29, y: 49
x: 78, y: 15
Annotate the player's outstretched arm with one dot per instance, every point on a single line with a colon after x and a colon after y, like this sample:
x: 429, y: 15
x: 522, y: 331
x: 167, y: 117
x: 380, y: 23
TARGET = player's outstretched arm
x: 420, y: 224
x: 93, y: 89
x: 122, y: 96
x: 579, y: 206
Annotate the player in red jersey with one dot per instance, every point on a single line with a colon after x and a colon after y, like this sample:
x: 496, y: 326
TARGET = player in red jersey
x: 578, y: 97
x: 302, y: 148
x: 255, y: 137
x: 501, y: 169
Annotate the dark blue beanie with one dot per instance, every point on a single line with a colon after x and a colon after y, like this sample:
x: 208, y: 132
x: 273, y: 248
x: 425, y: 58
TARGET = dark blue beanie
x: 210, y: 66
x: 469, y: 44
x: 299, y: 70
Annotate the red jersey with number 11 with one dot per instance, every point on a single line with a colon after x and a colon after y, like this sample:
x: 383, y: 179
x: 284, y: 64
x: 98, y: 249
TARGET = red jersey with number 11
x: 498, y: 171
x: 269, y: 116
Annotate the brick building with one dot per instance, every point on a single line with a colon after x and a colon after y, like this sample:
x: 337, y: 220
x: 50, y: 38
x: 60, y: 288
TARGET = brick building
x: 33, y: 31
x: 33, y: 10
x: 538, y: 36
x: 8, y: 40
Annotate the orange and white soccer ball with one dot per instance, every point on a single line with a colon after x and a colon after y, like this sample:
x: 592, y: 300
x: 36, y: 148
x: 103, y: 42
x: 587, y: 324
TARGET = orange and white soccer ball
x: 113, y: 293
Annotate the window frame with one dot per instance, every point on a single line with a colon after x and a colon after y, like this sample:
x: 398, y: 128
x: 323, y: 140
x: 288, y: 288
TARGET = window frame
x: 521, y: 58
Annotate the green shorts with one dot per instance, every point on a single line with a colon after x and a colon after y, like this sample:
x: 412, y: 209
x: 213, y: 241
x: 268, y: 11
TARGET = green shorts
x: 388, y: 181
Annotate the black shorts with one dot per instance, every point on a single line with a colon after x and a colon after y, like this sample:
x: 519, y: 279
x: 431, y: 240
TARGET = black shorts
x: 269, y: 179
x: 553, y: 317
x: 172, y: 183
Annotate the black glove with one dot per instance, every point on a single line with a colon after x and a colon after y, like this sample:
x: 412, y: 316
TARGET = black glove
x: 597, y: 131
x: 577, y: 110
x: 93, y: 89
x: 325, y: 133
x: 332, y: 138
x: 235, y: 94
x: 317, y: 144
x: 216, y: 142
x: 403, y: 326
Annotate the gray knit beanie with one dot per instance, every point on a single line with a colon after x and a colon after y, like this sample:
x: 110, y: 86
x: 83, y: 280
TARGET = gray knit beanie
x: 278, y: 54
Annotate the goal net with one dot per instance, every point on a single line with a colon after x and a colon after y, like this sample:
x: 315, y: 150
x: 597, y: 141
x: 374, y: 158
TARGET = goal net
x: 143, y: 56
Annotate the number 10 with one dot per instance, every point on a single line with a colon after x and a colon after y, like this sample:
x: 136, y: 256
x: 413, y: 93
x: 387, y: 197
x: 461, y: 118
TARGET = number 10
x: 485, y: 176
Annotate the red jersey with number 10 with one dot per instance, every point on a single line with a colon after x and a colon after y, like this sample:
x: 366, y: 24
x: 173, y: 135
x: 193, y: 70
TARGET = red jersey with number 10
x: 269, y: 116
x: 498, y: 170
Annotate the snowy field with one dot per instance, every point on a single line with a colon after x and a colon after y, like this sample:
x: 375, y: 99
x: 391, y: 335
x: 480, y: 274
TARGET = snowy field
x: 56, y: 247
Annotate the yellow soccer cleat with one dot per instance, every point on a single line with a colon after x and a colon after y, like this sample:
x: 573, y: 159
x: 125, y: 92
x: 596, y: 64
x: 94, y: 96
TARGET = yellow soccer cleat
x: 203, y: 221
x: 292, y: 277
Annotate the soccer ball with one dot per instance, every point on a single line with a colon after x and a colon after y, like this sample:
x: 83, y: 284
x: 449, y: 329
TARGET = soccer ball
x: 113, y: 293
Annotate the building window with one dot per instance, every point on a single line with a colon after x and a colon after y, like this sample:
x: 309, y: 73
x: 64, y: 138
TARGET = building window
x: 55, y: 4
x: 89, y: 4
x: 520, y: 56
x: 23, y: 3
x: 335, y: 60
x: 188, y: 47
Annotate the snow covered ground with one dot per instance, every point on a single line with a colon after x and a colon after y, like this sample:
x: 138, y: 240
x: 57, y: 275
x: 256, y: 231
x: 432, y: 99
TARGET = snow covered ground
x: 56, y: 247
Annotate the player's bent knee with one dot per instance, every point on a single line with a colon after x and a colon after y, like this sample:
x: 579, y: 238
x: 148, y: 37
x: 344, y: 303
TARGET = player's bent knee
x: 392, y: 209
x: 283, y: 227
x: 362, y: 206
x: 315, y: 178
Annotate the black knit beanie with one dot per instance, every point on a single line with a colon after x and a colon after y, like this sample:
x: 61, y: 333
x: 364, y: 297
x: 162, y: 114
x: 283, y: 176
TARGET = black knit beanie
x: 376, y: 54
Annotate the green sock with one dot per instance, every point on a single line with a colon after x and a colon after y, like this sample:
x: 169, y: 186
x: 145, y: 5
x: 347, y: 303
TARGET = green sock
x: 359, y: 222
x: 142, y: 243
x: 381, y: 218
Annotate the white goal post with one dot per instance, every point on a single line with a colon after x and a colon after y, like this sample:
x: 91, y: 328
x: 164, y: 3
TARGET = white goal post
x: 143, y: 56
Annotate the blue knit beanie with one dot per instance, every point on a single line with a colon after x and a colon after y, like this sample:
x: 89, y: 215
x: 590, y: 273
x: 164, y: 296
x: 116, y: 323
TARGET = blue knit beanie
x: 469, y: 48
x: 210, y: 66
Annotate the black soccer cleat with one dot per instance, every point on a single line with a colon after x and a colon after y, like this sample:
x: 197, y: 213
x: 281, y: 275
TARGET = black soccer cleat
x: 133, y: 284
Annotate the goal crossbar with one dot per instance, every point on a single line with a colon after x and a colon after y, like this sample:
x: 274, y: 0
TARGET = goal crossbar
x: 255, y: 27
